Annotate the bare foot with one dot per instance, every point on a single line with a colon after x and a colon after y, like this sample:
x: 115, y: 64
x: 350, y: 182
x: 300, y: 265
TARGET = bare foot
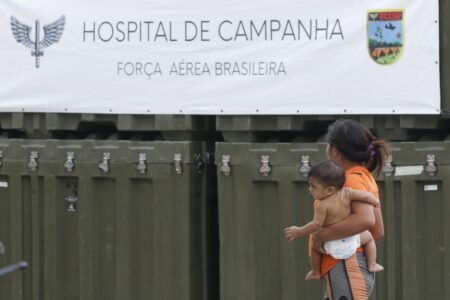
x: 375, y: 268
x: 313, y: 275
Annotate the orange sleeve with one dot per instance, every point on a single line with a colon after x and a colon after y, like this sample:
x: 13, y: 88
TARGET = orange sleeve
x: 356, y: 182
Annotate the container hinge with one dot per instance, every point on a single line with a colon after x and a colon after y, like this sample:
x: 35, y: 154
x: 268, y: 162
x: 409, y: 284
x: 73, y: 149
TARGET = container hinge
x: 69, y: 164
x: 33, y: 161
x: 305, y: 165
x: 104, y: 164
x: 178, y: 166
x: 72, y: 198
x: 142, y: 163
x: 265, y: 167
x: 199, y: 164
x: 225, y: 168
x: 388, y: 169
x: 430, y: 167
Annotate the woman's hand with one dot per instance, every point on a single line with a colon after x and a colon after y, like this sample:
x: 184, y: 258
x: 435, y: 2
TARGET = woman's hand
x: 361, y: 219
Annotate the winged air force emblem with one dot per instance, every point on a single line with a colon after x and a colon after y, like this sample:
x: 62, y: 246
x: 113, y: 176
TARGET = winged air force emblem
x: 52, y: 35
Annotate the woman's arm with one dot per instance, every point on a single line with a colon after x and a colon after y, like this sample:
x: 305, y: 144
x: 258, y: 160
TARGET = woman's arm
x: 377, y: 231
x: 361, y: 219
x: 364, y: 196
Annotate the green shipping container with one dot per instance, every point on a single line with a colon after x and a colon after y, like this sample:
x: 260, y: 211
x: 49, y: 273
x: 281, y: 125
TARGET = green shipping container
x: 263, y: 189
x: 81, y: 125
x: 105, y: 220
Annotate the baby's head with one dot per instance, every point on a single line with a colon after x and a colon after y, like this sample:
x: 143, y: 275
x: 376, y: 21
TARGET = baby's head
x: 325, y: 179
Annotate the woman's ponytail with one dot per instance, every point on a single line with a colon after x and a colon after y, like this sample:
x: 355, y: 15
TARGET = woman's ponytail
x: 378, y: 150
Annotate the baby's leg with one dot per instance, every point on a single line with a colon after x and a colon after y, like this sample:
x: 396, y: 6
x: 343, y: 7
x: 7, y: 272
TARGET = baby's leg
x: 371, y: 252
x: 316, y: 259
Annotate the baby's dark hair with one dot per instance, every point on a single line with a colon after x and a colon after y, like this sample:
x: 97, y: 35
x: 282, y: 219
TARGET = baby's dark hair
x: 328, y: 173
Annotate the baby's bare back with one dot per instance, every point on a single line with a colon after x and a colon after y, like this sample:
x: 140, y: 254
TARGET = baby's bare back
x: 337, y: 206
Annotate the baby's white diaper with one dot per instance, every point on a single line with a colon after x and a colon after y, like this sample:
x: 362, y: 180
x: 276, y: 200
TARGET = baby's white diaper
x: 343, y: 248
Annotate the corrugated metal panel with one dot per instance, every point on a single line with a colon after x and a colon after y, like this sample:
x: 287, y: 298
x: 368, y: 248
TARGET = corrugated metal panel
x: 257, y: 200
x: 415, y: 245
x: 133, y: 235
x: 256, y: 262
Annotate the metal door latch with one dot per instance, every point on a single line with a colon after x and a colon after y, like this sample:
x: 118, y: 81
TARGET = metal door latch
x: 33, y: 161
x: 178, y: 167
x: 225, y: 167
x: 69, y: 164
x: 199, y: 164
x: 265, y: 168
x: 104, y: 164
x: 430, y: 167
x: 72, y: 201
x: 72, y: 198
x: 1, y: 158
x: 142, y: 163
x: 388, y: 169
x: 306, y: 166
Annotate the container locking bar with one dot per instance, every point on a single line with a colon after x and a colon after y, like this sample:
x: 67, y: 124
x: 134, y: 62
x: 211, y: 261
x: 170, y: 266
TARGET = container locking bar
x: 178, y: 167
x: 142, y: 163
x: 430, y: 167
x: 305, y: 165
x: 388, y: 169
x: 104, y: 164
x: 265, y: 167
x: 225, y: 167
x: 69, y: 164
x: 1, y: 158
x: 33, y: 161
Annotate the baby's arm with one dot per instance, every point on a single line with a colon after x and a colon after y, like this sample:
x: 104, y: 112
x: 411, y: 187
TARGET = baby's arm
x: 364, y: 196
x: 320, y: 214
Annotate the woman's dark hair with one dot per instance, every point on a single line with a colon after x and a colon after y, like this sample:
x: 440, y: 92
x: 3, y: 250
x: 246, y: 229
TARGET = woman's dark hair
x: 328, y: 173
x: 357, y: 144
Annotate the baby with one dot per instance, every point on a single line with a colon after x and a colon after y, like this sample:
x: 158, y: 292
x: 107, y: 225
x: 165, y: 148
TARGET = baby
x: 326, y: 183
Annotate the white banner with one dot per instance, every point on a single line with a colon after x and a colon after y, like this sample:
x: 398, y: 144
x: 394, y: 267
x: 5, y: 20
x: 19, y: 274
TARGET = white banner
x: 220, y: 57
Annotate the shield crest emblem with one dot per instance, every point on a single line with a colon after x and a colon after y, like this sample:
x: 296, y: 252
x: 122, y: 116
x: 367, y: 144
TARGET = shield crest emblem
x: 385, y: 35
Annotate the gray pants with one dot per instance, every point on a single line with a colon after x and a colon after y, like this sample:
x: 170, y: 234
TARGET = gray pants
x: 350, y: 279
